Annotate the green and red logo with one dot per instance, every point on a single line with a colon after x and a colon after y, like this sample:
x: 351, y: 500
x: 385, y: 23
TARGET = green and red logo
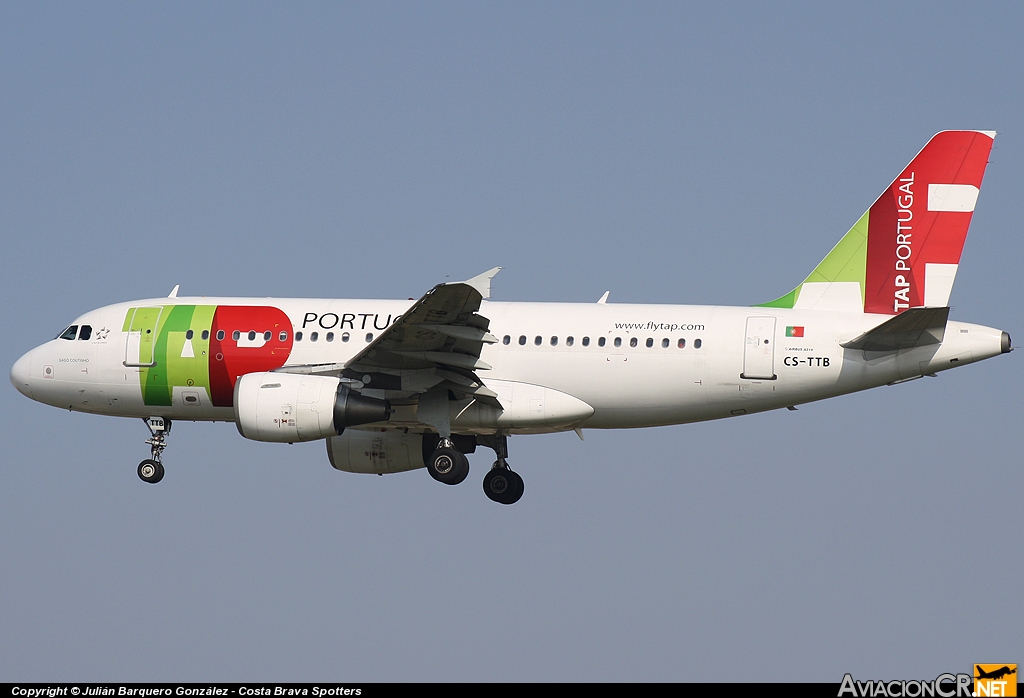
x: 203, y: 348
x: 904, y: 251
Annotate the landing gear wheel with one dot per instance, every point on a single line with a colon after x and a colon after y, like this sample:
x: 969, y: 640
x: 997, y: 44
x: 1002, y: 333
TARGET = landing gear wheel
x: 517, y: 491
x: 448, y: 465
x: 151, y: 471
x: 503, y: 486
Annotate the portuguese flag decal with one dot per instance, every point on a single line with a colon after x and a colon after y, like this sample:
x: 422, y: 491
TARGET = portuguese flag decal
x: 792, y: 331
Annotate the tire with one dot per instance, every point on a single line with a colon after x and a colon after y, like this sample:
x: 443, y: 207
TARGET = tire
x: 516, y: 491
x: 448, y: 466
x: 151, y: 471
x: 503, y: 486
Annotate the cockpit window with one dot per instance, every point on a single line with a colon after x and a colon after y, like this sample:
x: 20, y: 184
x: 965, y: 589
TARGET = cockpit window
x: 85, y: 332
x: 69, y: 333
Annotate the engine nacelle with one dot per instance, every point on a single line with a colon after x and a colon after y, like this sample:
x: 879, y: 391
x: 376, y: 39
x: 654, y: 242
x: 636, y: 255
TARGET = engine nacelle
x: 388, y: 451
x: 287, y: 407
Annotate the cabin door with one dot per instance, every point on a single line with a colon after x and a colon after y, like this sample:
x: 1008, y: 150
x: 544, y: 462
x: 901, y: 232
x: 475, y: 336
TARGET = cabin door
x: 138, y: 350
x: 759, y: 349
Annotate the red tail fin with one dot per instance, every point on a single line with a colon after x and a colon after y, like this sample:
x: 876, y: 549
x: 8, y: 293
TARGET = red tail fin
x: 917, y: 227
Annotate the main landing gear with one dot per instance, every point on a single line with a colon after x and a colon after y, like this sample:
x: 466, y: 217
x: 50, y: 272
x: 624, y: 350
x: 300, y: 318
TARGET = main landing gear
x: 449, y: 465
x: 501, y: 484
x: 151, y: 470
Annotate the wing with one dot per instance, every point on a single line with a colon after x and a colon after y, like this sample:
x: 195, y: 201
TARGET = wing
x: 443, y: 329
x: 436, y: 343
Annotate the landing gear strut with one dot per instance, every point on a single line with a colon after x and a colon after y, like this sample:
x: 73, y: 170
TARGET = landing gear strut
x: 151, y: 470
x: 501, y: 483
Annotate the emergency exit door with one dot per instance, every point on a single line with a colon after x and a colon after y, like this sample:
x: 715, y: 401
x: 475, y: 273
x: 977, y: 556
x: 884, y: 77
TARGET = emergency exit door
x: 759, y: 349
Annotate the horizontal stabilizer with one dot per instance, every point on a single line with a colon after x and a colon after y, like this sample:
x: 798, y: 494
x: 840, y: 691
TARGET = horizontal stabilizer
x: 916, y: 327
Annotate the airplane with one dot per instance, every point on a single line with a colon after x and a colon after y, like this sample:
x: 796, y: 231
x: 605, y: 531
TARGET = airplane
x: 995, y: 674
x: 393, y: 386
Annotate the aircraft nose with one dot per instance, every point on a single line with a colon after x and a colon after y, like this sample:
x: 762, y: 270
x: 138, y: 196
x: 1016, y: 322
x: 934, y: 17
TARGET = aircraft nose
x: 20, y: 374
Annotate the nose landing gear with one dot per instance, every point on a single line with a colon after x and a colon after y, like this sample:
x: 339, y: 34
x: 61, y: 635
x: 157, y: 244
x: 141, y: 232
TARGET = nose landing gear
x: 151, y: 470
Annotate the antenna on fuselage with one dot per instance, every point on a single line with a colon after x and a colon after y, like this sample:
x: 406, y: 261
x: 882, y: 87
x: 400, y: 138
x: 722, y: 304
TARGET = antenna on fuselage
x: 603, y: 299
x: 174, y: 291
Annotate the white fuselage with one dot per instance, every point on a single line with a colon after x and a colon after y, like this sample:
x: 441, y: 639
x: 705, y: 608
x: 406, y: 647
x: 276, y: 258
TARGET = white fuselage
x: 634, y: 365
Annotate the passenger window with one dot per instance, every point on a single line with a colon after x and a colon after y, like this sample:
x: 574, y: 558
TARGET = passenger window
x: 313, y: 336
x: 298, y: 336
x: 267, y: 335
x: 522, y: 339
x: 283, y: 336
x: 189, y: 334
x: 568, y: 341
x: 554, y: 341
x: 252, y: 335
x: 235, y: 335
x: 682, y: 343
x: 86, y: 332
x: 220, y: 335
x: 369, y: 336
x: 344, y: 336
x: 632, y: 342
x: 506, y: 339
x: 69, y: 333
x: 586, y: 341
x: 205, y: 335
x: 696, y: 344
x: 600, y: 341
x: 330, y: 336
x: 650, y: 342
x: 538, y: 340
x: 618, y: 341
x: 665, y: 343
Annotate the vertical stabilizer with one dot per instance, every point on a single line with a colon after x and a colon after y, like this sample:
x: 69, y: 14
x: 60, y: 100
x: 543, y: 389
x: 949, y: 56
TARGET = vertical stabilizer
x: 904, y: 251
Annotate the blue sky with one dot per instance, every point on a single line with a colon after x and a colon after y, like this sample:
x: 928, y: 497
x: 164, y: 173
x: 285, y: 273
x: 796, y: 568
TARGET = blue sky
x: 672, y: 153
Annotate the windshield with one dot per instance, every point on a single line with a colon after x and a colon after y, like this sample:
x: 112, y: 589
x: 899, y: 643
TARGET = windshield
x: 69, y: 333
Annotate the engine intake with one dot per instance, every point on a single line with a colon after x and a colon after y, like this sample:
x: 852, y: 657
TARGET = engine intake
x: 286, y: 407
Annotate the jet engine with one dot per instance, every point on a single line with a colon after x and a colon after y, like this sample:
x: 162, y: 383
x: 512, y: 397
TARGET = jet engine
x: 287, y: 407
x: 389, y: 451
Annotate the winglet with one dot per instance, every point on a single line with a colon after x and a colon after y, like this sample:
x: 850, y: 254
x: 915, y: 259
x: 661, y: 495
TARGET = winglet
x: 174, y: 291
x: 482, y: 283
x: 603, y: 299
